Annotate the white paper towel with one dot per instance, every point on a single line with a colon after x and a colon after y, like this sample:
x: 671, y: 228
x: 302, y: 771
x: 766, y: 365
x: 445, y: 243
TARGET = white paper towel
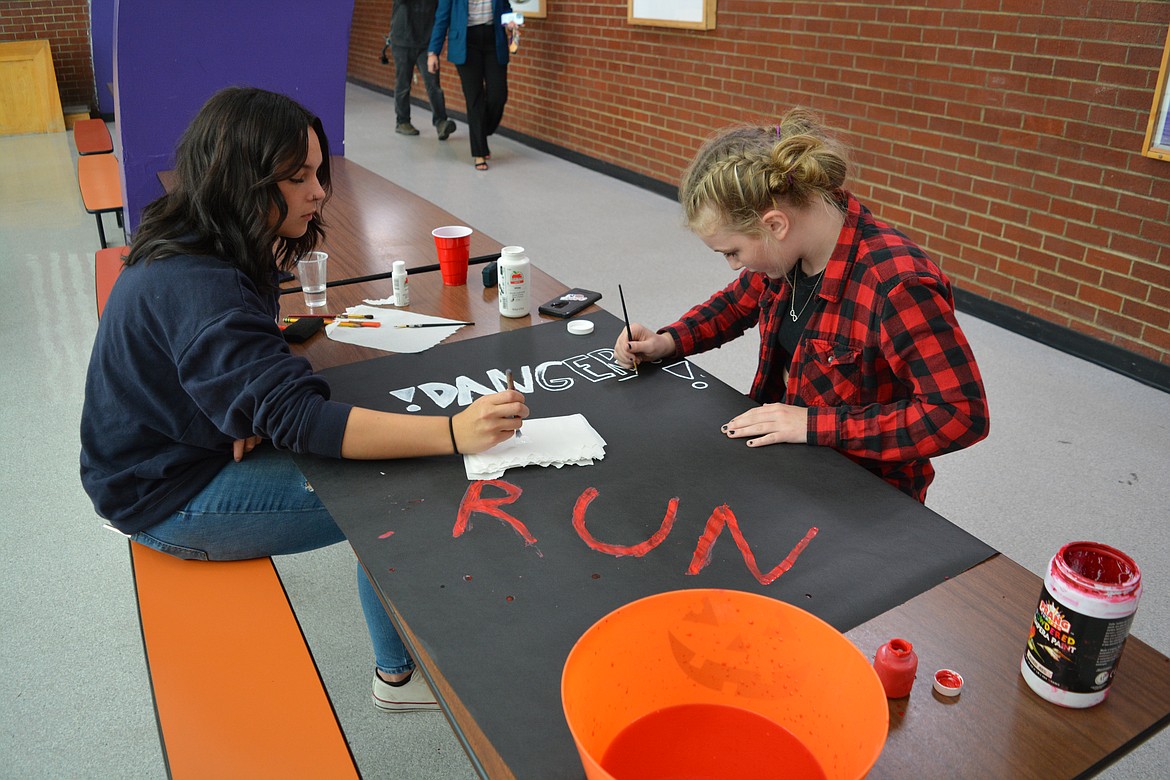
x: 548, y: 441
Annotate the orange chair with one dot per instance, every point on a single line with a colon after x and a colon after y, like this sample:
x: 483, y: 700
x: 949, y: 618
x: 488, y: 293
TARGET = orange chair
x: 101, y: 188
x: 107, y: 266
x: 236, y: 690
x: 92, y: 137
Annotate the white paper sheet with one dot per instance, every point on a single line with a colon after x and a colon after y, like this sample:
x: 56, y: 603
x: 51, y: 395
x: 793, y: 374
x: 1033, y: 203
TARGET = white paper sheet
x: 388, y: 337
x: 548, y: 441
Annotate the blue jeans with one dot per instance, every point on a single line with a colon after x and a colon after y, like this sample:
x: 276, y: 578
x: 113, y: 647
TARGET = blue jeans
x: 406, y: 59
x: 263, y: 506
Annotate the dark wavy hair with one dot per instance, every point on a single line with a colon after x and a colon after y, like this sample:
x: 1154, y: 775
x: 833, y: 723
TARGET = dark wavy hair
x: 227, y: 165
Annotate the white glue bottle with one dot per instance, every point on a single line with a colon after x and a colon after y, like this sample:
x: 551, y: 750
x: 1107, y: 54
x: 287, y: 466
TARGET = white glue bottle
x: 514, y: 269
x: 401, y: 283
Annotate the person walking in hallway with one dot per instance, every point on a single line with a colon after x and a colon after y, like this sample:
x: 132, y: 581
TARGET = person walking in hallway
x: 478, y: 46
x: 410, y: 32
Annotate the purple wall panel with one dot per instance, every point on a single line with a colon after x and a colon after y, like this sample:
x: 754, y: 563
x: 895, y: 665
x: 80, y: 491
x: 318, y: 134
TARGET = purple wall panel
x: 171, y: 55
x: 101, y: 42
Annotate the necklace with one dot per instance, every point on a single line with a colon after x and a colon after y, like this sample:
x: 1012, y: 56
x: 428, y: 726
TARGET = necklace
x: 792, y: 312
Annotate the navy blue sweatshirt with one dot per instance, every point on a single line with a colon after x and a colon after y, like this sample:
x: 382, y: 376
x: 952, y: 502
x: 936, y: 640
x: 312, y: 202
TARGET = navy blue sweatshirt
x: 188, y: 358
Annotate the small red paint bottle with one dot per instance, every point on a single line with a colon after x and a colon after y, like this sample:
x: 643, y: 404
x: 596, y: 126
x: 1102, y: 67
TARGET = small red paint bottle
x: 896, y: 664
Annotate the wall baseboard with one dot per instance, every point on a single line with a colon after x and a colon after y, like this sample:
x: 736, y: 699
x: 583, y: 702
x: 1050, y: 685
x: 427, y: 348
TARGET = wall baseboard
x: 1130, y: 364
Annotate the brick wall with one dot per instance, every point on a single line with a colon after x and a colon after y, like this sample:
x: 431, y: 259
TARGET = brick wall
x: 1005, y: 137
x: 65, y: 24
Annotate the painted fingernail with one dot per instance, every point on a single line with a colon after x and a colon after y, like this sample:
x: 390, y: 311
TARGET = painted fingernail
x: 724, y: 429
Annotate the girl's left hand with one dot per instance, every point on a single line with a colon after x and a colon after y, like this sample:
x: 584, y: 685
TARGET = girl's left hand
x: 241, y: 447
x: 770, y: 424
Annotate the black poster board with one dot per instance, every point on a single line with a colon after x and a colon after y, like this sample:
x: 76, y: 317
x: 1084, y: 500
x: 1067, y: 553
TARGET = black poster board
x: 499, y: 601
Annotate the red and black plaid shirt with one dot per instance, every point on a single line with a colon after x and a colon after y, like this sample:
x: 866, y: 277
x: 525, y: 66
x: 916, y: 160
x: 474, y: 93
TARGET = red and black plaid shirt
x: 883, y: 366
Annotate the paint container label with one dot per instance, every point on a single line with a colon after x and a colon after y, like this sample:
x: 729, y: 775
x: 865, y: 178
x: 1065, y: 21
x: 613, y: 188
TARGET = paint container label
x: 1071, y: 651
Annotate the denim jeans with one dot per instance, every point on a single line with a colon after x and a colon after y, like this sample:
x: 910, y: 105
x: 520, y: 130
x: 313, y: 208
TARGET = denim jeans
x: 263, y: 506
x: 406, y: 60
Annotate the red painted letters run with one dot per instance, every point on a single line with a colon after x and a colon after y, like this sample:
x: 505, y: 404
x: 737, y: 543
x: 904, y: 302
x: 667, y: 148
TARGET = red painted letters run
x: 722, y: 517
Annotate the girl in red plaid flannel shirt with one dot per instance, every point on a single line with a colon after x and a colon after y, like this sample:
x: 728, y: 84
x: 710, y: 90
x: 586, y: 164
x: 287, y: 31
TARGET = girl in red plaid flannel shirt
x: 859, y: 346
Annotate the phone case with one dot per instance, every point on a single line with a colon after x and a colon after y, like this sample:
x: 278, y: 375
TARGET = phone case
x: 570, y: 303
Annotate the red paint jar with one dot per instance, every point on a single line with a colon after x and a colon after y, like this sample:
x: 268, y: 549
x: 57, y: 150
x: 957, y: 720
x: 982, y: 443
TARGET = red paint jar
x: 896, y: 664
x: 1090, y: 594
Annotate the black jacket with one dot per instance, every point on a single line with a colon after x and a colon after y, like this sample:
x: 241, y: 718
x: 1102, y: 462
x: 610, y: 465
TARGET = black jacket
x: 411, y: 22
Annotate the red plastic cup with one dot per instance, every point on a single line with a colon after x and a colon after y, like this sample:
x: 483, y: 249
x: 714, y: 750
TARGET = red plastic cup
x: 453, y: 243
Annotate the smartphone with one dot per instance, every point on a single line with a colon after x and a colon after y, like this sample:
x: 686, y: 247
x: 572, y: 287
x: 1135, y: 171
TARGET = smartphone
x: 570, y: 303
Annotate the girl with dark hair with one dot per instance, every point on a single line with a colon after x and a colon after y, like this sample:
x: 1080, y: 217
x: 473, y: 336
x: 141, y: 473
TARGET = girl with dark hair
x: 233, y: 164
x: 190, y: 373
x: 859, y: 346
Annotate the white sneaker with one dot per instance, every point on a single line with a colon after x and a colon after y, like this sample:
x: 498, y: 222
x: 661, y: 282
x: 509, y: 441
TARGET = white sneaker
x: 414, y: 696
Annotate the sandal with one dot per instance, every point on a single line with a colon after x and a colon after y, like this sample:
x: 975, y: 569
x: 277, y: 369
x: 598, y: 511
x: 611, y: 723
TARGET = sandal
x: 481, y: 164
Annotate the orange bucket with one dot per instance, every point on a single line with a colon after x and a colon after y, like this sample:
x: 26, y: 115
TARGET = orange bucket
x: 712, y: 683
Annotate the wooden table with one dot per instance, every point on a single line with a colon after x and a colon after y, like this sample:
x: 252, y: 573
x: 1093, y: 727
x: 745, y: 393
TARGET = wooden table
x: 370, y: 222
x: 976, y: 623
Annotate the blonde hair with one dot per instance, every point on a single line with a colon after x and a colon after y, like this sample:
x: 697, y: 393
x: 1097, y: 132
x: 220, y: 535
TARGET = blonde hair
x: 744, y: 171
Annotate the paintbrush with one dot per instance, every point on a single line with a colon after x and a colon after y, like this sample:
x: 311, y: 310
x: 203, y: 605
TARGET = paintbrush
x: 512, y: 386
x: 626, y: 317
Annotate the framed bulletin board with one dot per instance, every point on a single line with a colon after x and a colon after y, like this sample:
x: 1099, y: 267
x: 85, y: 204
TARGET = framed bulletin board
x: 1157, y: 142
x: 537, y: 9
x: 693, y: 14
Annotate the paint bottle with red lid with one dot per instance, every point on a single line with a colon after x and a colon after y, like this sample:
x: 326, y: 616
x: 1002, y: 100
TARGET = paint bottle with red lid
x: 896, y: 665
x: 1090, y: 594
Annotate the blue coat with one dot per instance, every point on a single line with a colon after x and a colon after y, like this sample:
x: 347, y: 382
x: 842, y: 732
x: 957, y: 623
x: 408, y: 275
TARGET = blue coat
x: 451, y: 15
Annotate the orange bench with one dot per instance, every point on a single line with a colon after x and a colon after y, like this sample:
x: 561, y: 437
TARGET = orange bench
x: 92, y: 137
x: 101, y: 188
x: 236, y: 690
x: 106, y: 267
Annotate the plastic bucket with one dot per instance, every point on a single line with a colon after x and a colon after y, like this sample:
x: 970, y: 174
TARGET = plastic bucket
x: 717, y: 683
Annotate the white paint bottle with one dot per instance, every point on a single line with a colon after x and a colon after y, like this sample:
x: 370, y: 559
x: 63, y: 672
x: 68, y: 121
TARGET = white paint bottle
x: 514, y: 271
x: 1090, y: 594
x: 401, y: 283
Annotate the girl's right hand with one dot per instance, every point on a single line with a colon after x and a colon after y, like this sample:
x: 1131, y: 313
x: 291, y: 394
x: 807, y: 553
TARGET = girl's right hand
x: 647, y: 346
x: 489, y: 420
